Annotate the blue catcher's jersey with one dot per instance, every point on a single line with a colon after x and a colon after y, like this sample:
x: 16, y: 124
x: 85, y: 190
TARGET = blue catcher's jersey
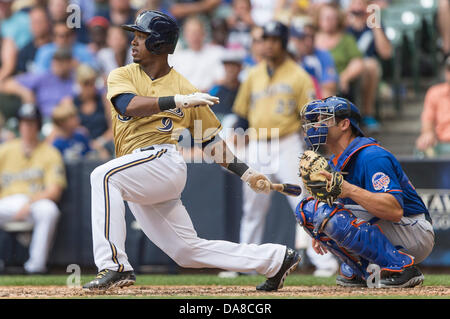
x: 373, y: 168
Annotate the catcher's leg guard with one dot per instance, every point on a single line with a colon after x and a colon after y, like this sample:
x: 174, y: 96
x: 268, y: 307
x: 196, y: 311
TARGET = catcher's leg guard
x: 355, y: 242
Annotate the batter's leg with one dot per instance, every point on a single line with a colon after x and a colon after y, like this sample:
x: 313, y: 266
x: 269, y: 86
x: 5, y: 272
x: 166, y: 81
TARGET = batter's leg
x: 145, y: 177
x: 108, y: 222
x: 169, y: 226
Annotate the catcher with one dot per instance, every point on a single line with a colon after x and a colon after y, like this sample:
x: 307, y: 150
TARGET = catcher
x: 364, y: 209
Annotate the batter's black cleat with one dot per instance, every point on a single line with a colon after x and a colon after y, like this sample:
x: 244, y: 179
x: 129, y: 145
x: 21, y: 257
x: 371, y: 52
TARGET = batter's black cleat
x: 407, y: 278
x: 290, y: 262
x: 107, y: 279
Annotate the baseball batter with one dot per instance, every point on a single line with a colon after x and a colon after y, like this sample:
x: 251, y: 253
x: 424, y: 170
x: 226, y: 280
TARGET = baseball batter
x: 268, y: 105
x: 373, y: 214
x: 151, y: 103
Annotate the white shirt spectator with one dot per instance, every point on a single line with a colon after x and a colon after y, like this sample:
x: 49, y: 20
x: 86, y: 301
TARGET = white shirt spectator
x: 202, y: 68
x: 263, y: 11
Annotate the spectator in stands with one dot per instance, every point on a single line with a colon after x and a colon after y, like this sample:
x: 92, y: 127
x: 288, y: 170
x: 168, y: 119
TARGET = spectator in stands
x: 289, y: 10
x: 200, y: 62
x: 159, y: 5
x: 64, y: 37
x: 46, y: 89
x: 118, y: 12
x: 58, y: 11
x: 435, y: 137
x: 5, y: 134
x: 32, y: 179
x: 117, y: 53
x: 228, y: 88
x: 374, y: 45
x: 331, y: 36
x: 318, y: 63
x: 443, y: 19
x: 219, y: 33
x: 240, y: 24
x: 15, y: 34
x: 93, y: 109
x: 98, y: 29
x: 181, y: 9
x: 263, y: 11
x: 69, y: 139
x: 41, y: 30
x: 256, y: 53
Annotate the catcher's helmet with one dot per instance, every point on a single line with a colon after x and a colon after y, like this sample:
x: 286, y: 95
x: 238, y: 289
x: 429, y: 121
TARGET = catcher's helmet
x: 162, y: 30
x: 277, y: 29
x: 316, y: 116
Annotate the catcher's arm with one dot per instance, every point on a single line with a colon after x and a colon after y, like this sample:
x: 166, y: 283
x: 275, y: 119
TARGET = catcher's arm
x: 382, y: 205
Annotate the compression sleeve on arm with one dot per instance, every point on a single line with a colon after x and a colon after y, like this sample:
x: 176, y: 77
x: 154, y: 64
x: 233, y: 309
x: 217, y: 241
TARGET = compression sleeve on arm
x: 121, y: 101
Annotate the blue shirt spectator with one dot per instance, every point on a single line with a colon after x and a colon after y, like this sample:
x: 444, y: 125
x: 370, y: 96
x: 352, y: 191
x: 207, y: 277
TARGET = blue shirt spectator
x: 365, y: 40
x: 48, y: 88
x: 318, y: 63
x: 73, y: 147
x: 17, y: 27
x: 80, y: 53
x: 64, y: 37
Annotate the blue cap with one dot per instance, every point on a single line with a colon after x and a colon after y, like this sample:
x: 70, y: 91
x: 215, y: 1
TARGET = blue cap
x: 297, y: 30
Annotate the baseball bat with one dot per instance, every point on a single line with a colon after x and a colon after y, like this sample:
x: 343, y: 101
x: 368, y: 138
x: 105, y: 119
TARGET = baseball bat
x: 285, y: 189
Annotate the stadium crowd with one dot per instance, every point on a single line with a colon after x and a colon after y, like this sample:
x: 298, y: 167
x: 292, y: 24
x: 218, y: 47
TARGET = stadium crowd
x: 56, y: 55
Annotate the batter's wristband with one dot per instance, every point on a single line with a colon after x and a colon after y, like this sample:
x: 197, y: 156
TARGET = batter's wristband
x: 238, y: 168
x: 166, y: 103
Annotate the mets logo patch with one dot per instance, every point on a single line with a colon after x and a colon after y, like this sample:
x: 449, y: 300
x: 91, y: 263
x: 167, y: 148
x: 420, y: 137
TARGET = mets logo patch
x: 380, y: 181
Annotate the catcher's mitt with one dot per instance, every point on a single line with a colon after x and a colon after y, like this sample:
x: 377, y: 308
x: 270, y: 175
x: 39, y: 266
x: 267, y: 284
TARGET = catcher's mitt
x: 311, y: 164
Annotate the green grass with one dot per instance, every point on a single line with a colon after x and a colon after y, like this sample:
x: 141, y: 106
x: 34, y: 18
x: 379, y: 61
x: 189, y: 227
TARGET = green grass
x: 173, y: 280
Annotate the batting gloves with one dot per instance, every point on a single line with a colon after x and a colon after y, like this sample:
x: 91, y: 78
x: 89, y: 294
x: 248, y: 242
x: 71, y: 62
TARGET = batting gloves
x: 195, y: 99
x: 258, y: 182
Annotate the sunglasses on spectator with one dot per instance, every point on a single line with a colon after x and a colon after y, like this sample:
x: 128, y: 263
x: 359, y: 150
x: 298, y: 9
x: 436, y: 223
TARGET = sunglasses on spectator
x: 358, y: 13
x: 88, y: 82
x: 63, y: 35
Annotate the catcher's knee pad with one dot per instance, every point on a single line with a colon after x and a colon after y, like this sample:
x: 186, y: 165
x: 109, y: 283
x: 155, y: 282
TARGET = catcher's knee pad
x: 355, y: 242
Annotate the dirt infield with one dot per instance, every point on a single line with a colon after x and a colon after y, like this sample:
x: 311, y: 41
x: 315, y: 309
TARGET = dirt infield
x: 219, y: 291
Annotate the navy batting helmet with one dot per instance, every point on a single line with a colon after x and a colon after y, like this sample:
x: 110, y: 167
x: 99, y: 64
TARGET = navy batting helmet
x: 162, y: 30
x: 277, y: 29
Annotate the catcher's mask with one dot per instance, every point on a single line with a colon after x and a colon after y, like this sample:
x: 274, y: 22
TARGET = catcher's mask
x: 318, y: 115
